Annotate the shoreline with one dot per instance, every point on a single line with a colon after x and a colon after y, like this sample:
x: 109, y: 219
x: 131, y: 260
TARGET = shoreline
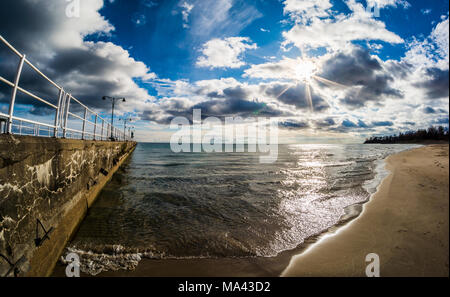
x: 287, y: 263
x: 406, y: 222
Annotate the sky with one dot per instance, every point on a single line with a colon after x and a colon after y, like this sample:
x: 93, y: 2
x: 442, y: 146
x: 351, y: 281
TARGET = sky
x: 326, y: 70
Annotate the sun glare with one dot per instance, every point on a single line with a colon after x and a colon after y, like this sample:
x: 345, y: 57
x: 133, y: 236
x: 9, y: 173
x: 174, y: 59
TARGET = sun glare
x: 305, y: 71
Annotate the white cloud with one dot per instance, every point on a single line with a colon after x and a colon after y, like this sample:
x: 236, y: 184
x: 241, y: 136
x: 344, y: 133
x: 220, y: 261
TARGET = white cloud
x: 149, y: 3
x: 225, y: 53
x: 440, y: 36
x: 221, y: 17
x: 186, y: 11
x: 139, y: 19
x: 433, y: 51
x: 386, y: 3
x: 285, y: 69
x: 303, y: 10
x: 337, y: 33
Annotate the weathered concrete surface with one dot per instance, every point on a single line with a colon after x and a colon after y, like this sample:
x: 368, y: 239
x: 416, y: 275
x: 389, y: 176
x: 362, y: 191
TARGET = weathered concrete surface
x: 55, y: 181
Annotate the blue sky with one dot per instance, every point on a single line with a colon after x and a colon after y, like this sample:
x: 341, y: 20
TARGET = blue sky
x: 171, y: 50
x: 367, y: 74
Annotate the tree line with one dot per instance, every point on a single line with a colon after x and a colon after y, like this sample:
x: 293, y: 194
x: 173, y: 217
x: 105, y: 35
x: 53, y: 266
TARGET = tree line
x: 422, y: 135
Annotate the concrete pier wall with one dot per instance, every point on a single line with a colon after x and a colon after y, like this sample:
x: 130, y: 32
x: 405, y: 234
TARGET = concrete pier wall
x: 54, y: 181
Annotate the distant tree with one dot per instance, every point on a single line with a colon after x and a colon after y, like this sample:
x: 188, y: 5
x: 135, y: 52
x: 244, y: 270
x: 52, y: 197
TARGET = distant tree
x: 433, y: 133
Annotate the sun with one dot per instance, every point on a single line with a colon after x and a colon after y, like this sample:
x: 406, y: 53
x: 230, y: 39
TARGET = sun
x: 305, y: 70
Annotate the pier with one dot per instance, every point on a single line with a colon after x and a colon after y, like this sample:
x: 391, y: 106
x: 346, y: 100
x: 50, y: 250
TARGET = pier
x: 50, y: 173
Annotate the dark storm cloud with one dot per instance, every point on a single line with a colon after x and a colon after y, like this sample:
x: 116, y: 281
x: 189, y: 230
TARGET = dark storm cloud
x: 233, y: 101
x: 23, y: 22
x: 400, y: 69
x: 294, y: 125
x: 30, y: 81
x: 230, y: 106
x: 383, y: 124
x: 237, y: 92
x: 349, y: 124
x: 362, y: 124
x: 442, y: 121
x: 295, y: 95
x: 216, y: 108
x: 53, y: 43
x: 327, y: 122
x: 428, y: 110
x: 358, y: 69
x: 82, y: 64
x: 437, y: 84
x: 157, y: 117
x: 68, y: 60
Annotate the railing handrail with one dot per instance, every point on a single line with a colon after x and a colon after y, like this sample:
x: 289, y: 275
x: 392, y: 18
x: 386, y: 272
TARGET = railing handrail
x: 62, y: 109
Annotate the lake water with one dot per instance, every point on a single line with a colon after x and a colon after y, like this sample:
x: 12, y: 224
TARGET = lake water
x: 165, y: 205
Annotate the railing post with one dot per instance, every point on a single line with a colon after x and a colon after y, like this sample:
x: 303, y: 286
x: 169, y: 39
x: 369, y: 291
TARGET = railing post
x: 84, y: 123
x: 62, y: 109
x: 61, y: 94
x: 95, y: 126
x: 103, y: 124
x: 14, y: 93
x: 66, y: 115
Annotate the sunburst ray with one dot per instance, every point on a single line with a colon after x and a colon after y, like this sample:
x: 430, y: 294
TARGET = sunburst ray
x: 309, y: 97
x: 284, y: 91
x: 329, y: 82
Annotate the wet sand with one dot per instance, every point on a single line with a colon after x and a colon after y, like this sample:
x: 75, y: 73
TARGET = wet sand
x: 406, y: 223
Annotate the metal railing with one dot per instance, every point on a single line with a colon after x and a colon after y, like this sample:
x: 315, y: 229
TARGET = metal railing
x: 11, y: 124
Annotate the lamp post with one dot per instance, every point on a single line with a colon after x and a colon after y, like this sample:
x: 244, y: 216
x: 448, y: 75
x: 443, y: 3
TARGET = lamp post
x: 131, y: 132
x: 113, y: 100
x: 125, y: 125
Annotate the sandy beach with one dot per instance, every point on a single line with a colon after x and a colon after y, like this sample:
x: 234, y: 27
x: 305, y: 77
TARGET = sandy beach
x: 406, y: 223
